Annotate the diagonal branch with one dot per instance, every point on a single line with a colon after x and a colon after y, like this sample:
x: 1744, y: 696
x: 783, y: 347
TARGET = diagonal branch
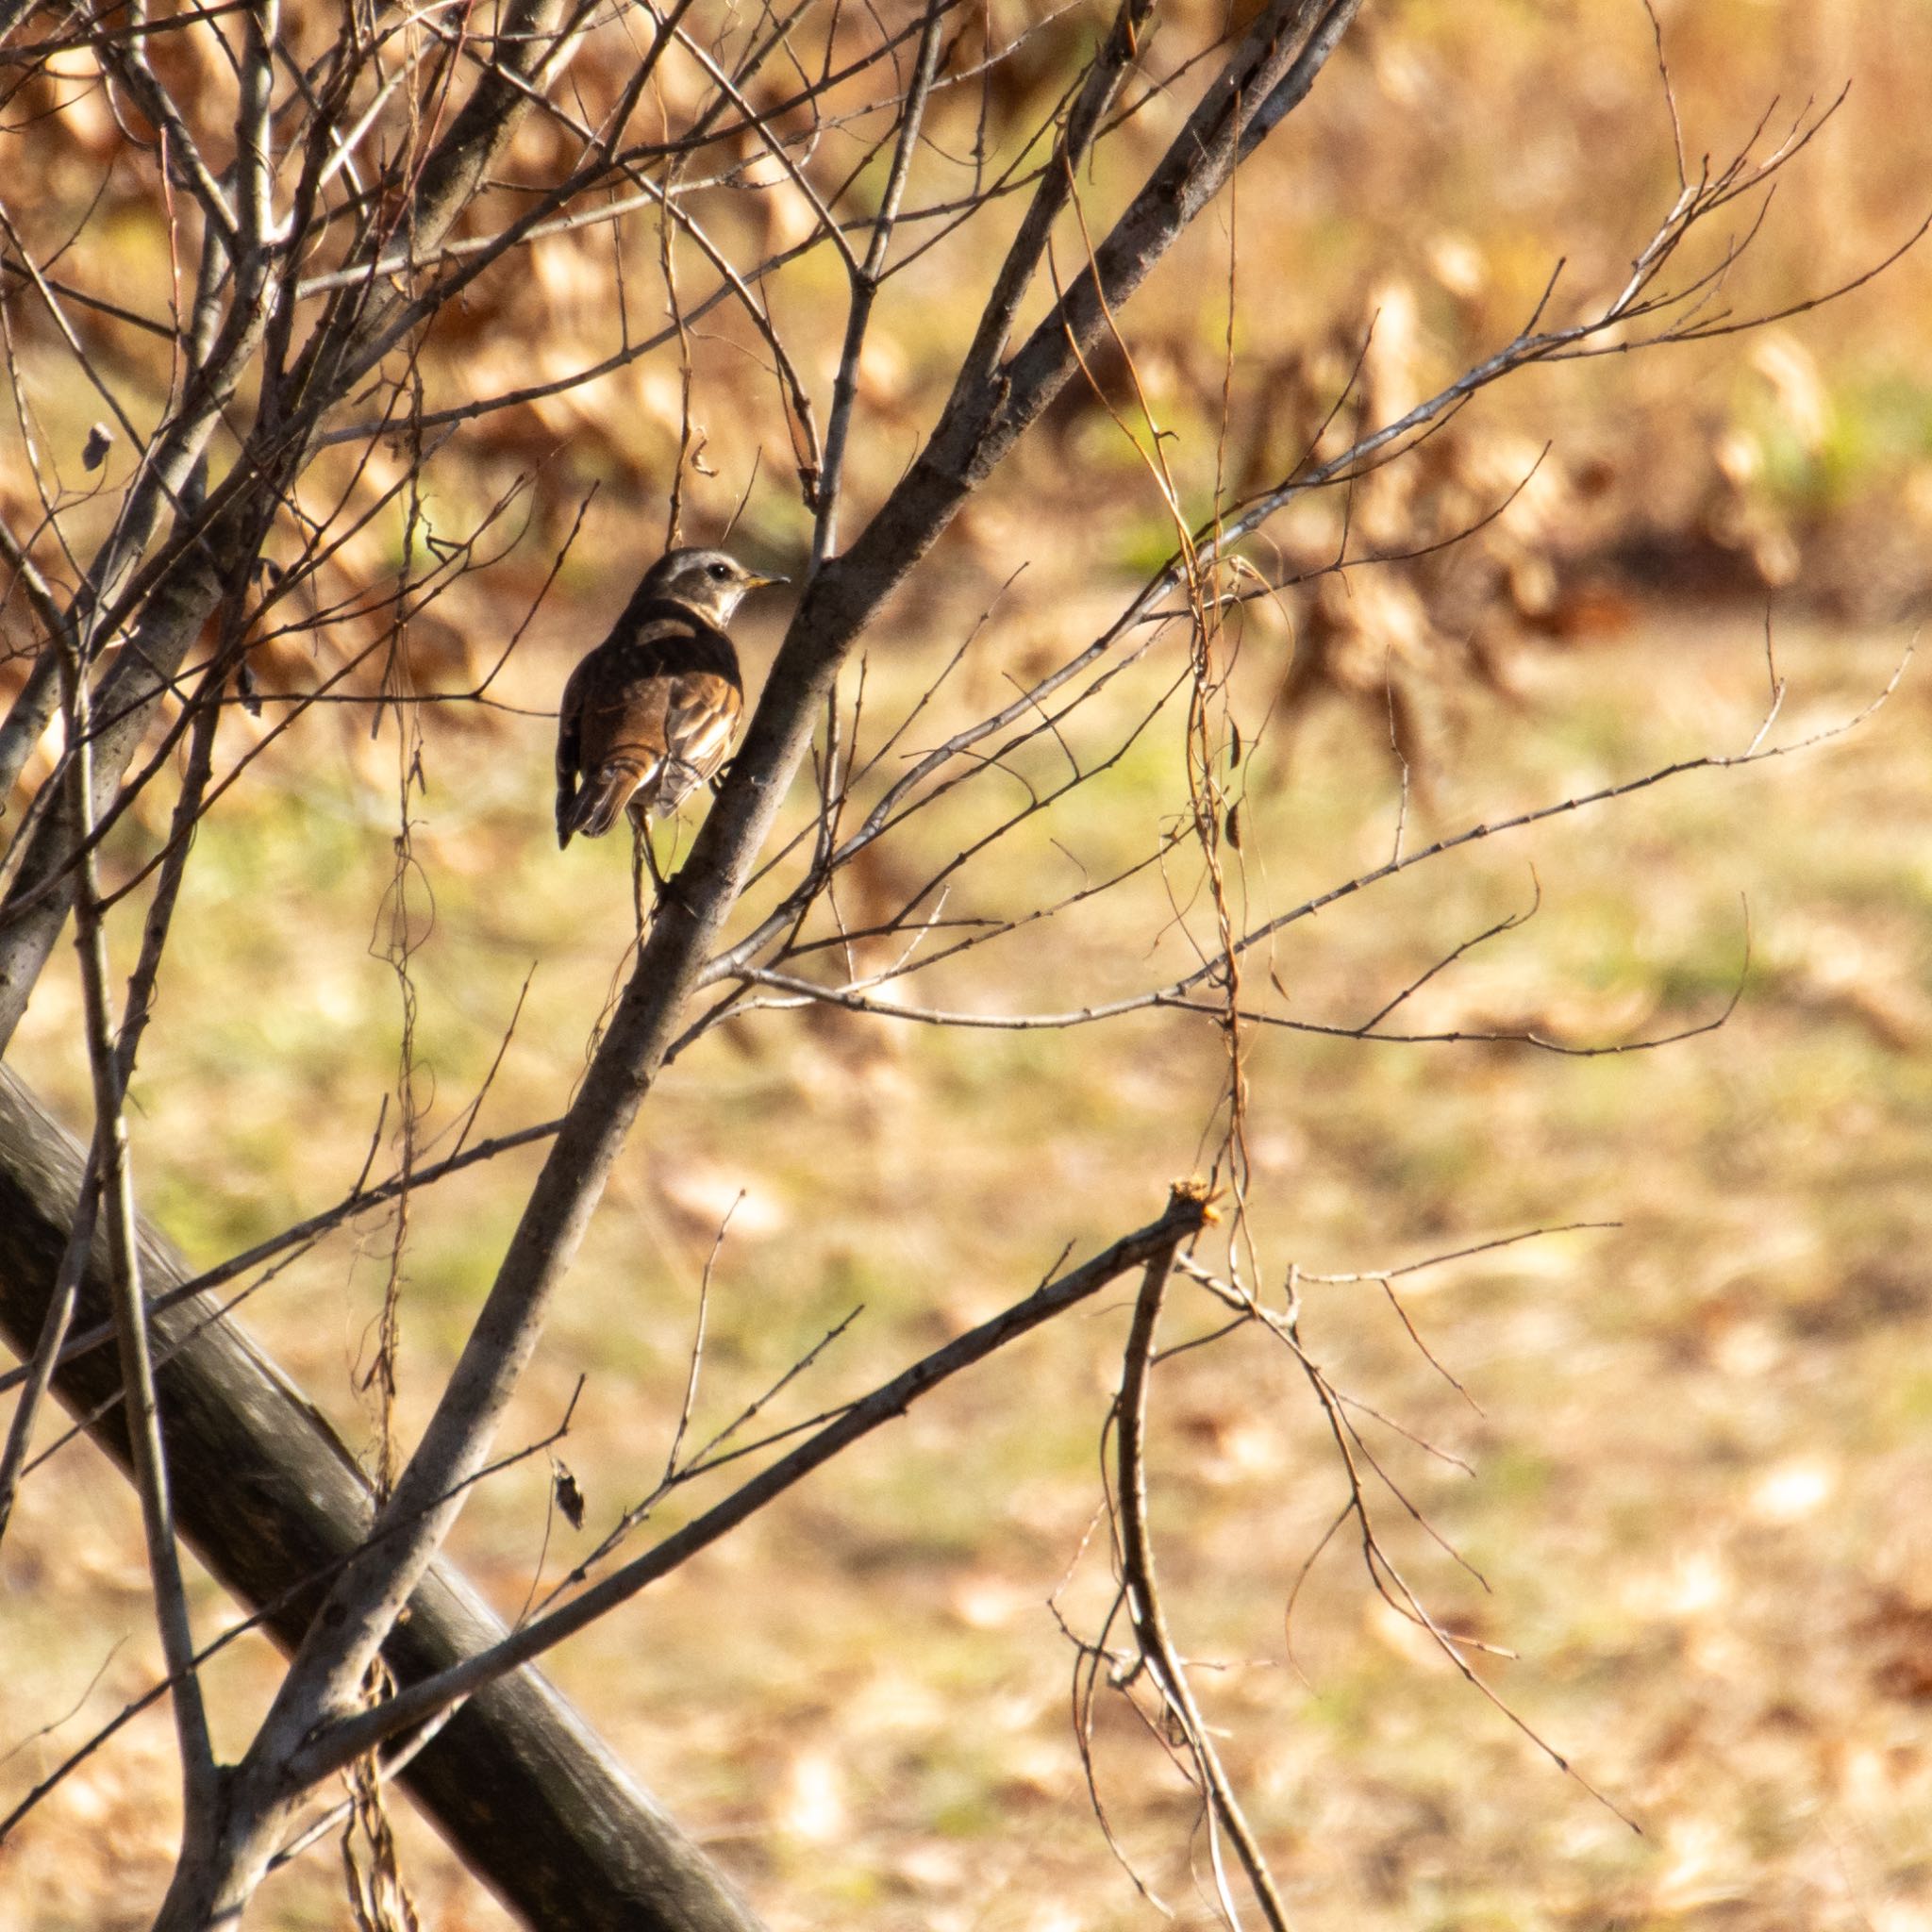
x: 1186, y: 1213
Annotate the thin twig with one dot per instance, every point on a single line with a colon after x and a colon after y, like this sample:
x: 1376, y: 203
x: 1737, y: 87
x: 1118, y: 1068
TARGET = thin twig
x: 1145, y: 1607
x: 198, y: 1775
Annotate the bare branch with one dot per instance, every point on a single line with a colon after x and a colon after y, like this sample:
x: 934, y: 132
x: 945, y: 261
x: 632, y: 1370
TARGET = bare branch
x: 116, y: 1190
x: 1186, y: 1212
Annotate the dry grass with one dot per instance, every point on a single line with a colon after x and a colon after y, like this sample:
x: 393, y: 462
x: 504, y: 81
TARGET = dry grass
x: 1699, y: 1433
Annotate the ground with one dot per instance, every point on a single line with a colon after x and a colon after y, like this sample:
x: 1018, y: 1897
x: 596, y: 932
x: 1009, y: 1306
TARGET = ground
x: 1678, y: 1476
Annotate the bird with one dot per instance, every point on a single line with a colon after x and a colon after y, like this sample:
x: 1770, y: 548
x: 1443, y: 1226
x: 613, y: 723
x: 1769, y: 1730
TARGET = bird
x: 652, y: 713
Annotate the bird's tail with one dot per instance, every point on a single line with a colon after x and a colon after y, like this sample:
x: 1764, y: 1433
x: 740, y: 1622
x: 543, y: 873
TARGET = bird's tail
x: 604, y: 794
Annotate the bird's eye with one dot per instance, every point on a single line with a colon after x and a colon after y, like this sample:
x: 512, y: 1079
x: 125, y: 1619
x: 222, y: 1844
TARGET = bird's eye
x: 717, y: 571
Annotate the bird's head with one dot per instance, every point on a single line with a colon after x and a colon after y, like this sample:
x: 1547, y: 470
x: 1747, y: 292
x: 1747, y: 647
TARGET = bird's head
x: 711, y: 582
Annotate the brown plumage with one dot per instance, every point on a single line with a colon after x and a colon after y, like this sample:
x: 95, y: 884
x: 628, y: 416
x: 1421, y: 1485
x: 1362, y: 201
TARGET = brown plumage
x: 653, y: 710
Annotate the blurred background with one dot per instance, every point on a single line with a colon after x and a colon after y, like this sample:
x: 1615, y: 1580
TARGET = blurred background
x: 1690, y: 1444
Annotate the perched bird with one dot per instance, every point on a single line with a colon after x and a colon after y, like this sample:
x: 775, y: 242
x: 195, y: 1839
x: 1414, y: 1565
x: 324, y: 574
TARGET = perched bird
x: 652, y: 713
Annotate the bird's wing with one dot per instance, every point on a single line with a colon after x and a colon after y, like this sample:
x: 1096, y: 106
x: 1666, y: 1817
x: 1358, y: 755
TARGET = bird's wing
x: 700, y: 721
x: 654, y: 706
